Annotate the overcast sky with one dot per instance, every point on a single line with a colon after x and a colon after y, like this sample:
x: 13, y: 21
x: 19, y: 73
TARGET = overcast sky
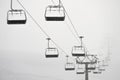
x: 22, y: 47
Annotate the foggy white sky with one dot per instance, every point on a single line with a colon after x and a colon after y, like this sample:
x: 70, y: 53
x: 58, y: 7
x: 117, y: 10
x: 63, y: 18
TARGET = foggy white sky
x: 22, y: 47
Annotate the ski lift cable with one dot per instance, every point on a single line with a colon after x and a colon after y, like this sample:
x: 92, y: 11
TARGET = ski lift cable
x: 71, y: 24
x: 41, y: 28
x: 16, y: 16
x: 73, y: 27
x: 87, y: 51
x: 70, y: 20
x: 60, y: 2
x: 68, y: 27
x: 72, y: 32
x: 11, y: 5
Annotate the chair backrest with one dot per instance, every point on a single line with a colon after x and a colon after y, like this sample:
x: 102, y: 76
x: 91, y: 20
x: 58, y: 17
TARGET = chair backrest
x: 51, y: 53
x: 16, y: 15
x: 69, y: 66
x: 55, y: 8
x: 78, y: 51
x: 91, y: 67
x: 80, y: 69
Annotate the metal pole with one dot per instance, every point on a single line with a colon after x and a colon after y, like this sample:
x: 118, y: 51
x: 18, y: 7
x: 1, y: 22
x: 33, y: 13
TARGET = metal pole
x: 48, y: 42
x: 86, y: 71
x: 11, y: 5
x: 59, y: 5
x: 59, y: 2
x: 81, y: 37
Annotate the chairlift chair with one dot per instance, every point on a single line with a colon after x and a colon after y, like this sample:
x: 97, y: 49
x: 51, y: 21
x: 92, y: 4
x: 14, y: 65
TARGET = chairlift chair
x: 103, y: 63
x: 93, y: 60
x: 51, y: 52
x: 80, y: 69
x: 78, y: 51
x: 101, y: 69
x: 69, y: 66
x: 55, y: 13
x: 91, y: 67
x: 97, y: 71
x: 16, y: 16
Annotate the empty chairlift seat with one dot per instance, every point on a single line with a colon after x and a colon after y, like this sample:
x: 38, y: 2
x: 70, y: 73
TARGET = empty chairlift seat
x: 101, y: 69
x: 51, y: 52
x: 78, y: 51
x: 16, y: 17
x: 80, y: 69
x: 69, y: 66
x: 54, y: 13
x: 104, y: 63
x: 97, y: 71
x: 91, y: 67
